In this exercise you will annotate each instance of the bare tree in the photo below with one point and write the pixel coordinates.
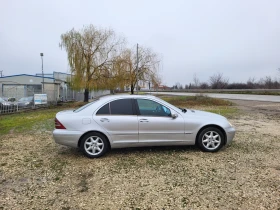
(251, 83)
(204, 85)
(195, 81)
(178, 85)
(269, 83)
(90, 52)
(217, 81)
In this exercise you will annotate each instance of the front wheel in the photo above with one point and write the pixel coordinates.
(211, 139)
(94, 145)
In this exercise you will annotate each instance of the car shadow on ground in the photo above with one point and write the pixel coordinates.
(156, 150)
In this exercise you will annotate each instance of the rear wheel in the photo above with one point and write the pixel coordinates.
(211, 139)
(94, 145)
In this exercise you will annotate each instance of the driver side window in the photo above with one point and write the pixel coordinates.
(152, 108)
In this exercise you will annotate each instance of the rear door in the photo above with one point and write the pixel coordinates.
(119, 119)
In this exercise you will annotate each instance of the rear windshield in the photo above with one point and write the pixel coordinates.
(85, 106)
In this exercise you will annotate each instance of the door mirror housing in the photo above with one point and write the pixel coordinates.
(174, 115)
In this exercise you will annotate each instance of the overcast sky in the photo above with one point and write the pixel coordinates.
(238, 38)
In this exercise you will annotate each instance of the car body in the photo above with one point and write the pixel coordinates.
(26, 102)
(119, 121)
(7, 106)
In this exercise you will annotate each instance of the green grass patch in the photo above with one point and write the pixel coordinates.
(28, 121)
(40, 119)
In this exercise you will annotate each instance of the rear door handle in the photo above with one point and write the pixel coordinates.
(104, 120)
(144, 120)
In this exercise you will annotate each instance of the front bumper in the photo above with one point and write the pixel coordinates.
(230, 134)
(66, 137)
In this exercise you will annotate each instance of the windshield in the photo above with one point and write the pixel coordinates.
(83, 107)
(1, 100)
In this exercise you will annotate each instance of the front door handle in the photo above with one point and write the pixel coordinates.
(104, 120)
(144, 120)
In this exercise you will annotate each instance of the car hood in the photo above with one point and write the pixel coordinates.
(203, 114)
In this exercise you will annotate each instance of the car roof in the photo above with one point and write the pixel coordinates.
(117, 96)
(102, 100)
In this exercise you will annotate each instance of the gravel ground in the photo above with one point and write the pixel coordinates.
(35, 173)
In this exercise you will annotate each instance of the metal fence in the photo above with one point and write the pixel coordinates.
(13, 100)
(8, 108)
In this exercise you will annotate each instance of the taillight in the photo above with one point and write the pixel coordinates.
(58, 124)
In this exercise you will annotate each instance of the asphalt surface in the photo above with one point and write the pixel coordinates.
(269, 98)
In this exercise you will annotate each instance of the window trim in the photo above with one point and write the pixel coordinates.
(136, 110)
(110, 108)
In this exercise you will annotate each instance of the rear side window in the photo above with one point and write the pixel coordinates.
(121, 107)
(104, 110)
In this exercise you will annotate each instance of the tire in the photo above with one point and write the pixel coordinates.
(94, 145)
(211, 139)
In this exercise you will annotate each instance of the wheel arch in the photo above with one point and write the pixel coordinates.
(80, 139)
(211, 125)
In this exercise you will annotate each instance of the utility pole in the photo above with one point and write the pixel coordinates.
(41, 54)
(1, 73)
(137, 78)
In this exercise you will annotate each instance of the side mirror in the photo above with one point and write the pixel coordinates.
(174, 115)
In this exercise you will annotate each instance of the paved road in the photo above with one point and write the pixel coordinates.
(269, 98)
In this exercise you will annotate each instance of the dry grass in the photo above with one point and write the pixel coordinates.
(36, 173)
(205, 103)
(198, 100)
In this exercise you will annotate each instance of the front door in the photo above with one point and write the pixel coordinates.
(156, 124)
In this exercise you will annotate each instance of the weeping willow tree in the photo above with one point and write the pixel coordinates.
(90, 52)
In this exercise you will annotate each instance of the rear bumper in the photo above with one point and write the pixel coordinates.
(66, 137)
(230, 134)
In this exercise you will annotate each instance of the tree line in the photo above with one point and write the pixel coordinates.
(218, 81)
(100, 59)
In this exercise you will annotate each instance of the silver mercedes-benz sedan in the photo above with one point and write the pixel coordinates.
(118, 121)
